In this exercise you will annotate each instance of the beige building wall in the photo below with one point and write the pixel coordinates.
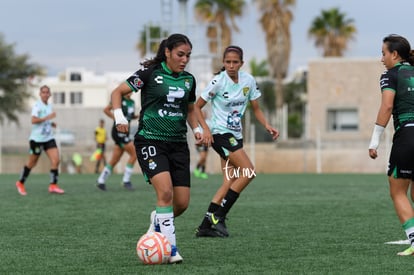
(343, 83)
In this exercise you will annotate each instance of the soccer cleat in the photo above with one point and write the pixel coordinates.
(101, 186)
(154, 227)
(208, 232)
(204, 176)
(128, 186)
(218, 224)
(54, 188)
(408, 252)
(197, 173)
(175, 257)
(20, 188)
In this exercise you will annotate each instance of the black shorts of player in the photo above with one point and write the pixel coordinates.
(201, 148)
(120, 138)
(156, 156)
(401, 162)
(225, 143)
(37, 147)
(101, 146)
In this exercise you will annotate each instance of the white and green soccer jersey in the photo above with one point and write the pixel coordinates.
(41, 132)
(229, 101)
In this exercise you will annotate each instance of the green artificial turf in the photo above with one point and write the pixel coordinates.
(281, 224)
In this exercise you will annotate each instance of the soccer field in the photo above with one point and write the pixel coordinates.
(281, 224)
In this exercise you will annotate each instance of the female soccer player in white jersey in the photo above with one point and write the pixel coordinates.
(229, 92)
(42, 138)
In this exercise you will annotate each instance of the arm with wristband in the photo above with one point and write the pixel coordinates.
(384, 115)
(116, 99)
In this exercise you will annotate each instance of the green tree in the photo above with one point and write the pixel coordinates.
(294, 91)
(259, 69)
(15, 73)
(332, 31)
(152, 36)
(220, 17)
(276, 17)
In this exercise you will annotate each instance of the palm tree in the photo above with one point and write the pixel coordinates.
(258, 69)
(276, 16)
(149, 39)
(332, 31)
(219, 15)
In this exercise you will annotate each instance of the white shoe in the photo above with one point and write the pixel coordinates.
(176, 259)
(151, 228)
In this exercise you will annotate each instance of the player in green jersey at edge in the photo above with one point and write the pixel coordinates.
(167, 104)
(123, 143)
(229, 92)
(397, 99)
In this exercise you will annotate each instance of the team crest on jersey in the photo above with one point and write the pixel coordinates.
(233, 141)
(187, 83)
(151, 164)
(245, 91)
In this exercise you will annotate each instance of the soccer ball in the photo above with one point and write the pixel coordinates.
(153, 248)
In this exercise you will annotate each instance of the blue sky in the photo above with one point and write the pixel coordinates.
(101, 35)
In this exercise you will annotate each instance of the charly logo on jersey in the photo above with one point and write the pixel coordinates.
(159, 79)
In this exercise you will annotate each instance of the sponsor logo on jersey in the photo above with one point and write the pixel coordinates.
(175, 92)
(159, 79)
(163, 113)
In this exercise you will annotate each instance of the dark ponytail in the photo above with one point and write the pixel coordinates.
(173, 41)
(401, 45)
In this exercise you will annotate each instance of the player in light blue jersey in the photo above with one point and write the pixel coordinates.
(42, 138)
(229, 92)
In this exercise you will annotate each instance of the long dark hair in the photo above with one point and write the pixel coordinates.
(173, 41)
(231, 48)
(401, 45)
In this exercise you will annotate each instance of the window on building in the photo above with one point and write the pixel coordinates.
(76, 98)
(58, 98)
(342, 120)
(74, 76)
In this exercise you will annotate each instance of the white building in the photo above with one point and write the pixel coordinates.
(78, 97)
